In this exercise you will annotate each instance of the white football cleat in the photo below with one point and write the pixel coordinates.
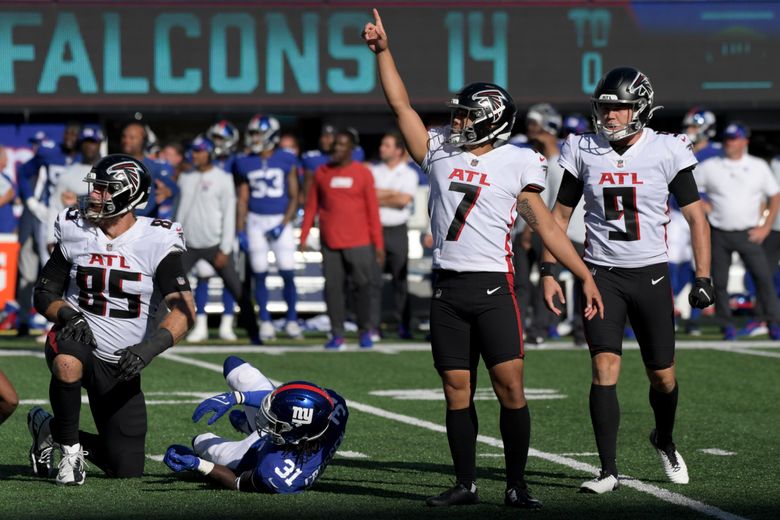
(226, 328)
(200, 332)
(604, 483)
(293, 330)
(672, 461)
(267, 331)
(72, 467)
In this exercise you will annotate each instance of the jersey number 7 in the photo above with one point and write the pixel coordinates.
(470, 196)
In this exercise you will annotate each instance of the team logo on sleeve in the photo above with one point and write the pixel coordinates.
(126, 170)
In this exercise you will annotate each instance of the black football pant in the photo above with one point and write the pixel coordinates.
(118, 408)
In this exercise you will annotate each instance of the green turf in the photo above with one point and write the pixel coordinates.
(727, 401)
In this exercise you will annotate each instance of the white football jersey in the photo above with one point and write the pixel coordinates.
(626, 196)
(112, 280)
(473, 202)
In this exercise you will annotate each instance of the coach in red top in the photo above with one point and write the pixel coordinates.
(350, 233)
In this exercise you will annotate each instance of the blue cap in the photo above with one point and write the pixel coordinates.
(91, 134)
(38, 137)
(736, 131)
(202, 144)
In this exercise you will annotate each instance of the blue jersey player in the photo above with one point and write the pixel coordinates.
(267, 204)
(297, 428)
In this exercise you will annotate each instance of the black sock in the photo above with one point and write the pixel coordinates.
(664, 408)
(65, 401)
(515, 427)
(462, 436)
(605, 416)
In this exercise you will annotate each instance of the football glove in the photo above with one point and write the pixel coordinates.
(130, 363)
(219, 404)
(274, 233)
(243, 241)
(74, 327)
(702, 294)
(181, 458)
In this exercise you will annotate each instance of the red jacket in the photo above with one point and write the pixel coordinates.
(345, 199)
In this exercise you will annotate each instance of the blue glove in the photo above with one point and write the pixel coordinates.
(219, 404)
(274, 233)
(243, 241)
(181, 458)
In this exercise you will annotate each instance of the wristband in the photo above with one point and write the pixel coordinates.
(239, 397)
(205, 467)
(547, 269)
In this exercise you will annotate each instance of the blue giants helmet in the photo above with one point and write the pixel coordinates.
(295, 412)
(224, 135)
(262, 133)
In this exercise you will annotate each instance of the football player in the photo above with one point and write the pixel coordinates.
(267, 204)
(293, 431)
(106, 278)
(699, 125)
(626, 172)
(476, 188)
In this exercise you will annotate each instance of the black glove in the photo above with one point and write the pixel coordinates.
(130, 363)
(702, 294)
(74, 327)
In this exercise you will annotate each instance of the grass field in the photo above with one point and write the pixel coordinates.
(395, 453)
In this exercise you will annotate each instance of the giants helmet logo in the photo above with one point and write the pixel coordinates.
(128, 170)
(495, 100)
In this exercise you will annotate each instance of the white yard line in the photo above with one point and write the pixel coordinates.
(660, 493)
(748, 351)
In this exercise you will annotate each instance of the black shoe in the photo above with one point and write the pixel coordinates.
(519, 496)
(457, 495)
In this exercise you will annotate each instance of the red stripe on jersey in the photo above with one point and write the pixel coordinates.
(299, 386)
(510, 280)
(636, 211)
(51, 337)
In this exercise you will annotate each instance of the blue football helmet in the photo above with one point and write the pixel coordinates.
(224, 135)
(262, 133)
(698, 124)
(575, 124)
(295, 412)
(546, 117)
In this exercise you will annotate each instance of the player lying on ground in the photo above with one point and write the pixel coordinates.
(292, 430)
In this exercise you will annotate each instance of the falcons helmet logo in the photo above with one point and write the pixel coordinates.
(495, 100)
(129, 170)
(641, 86)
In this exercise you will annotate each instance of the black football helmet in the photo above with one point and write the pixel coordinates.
(491, 111)
(126, 182)
(624, 86)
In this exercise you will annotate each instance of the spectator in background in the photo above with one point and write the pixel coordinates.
(396, 184)
(772, 243)
(288, 142)
(173, 154)
(8, 398)
(736, 185)
(267, 204)
(342, 194)
(207, 213)
(134, 142)
(71, 184)
(7, 196)
(313, 159)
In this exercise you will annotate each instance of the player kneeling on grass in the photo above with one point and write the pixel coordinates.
(298, 427)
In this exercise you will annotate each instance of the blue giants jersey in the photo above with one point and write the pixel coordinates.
(269, 193)
(711, 150)
(270, 468)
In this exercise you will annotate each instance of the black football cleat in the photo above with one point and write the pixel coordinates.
(457, 495)
(519, 496)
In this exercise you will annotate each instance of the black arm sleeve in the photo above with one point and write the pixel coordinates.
(170, 276)
(570, 191)
(684, 188)
(52, 281)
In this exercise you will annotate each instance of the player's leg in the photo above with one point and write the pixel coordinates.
(9, 400)
(71, 364)
(223, 451)
(397, 262)
(233, 286)
(605, 341)
(755, 261)
(456, 362)
(334, 273)
(284, 251)
(258, 254)
(500, 340)
(652, 311)
(203, 271)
